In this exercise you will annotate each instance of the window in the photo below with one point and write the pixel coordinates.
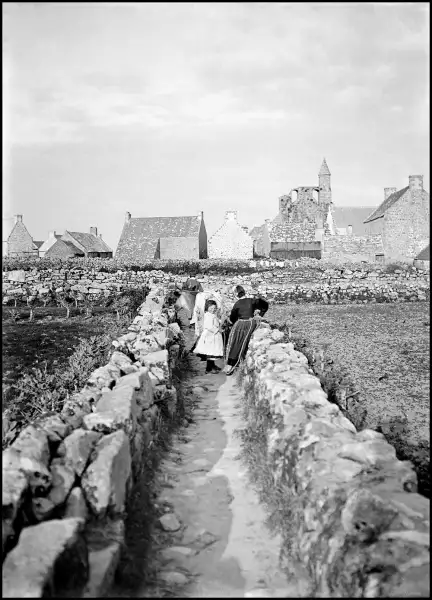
(379, 258)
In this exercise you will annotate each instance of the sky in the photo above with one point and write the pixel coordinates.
(166, 109)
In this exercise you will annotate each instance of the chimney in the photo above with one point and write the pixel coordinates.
(18, 218)
(93, 231)
(389, 191)
(51, 235)
(127, 217)
(231, 215)
(200, 215)
(349, 230)
(416, 182)
(100, 235)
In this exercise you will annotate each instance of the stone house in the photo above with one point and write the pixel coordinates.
(231, 240)
(73, 244)
(148, 238)
(19, 242)
(402, 220)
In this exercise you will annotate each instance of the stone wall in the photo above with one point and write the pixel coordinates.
(67, 477)
(279, 284)
(173, 247)
(340, 248)
(351, 514)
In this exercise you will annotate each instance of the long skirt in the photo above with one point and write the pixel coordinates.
(239, 339)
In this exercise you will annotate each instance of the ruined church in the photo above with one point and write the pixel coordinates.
(305, 216)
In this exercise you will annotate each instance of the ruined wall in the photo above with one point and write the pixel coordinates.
(340, 248)
(352, 516)
(67, 477)
(406, 228)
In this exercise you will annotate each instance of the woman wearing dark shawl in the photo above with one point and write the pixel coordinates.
(245, 317)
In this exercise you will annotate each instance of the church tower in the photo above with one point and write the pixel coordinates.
(324, 194)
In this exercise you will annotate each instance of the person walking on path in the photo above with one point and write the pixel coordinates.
(245, 316)
(210, 344)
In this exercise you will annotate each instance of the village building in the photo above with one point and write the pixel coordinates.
(309, 224)
(231, 240)
(48, 243)
(72, 244)
(305, 216)
(19, 242)
(402, 220)
(175, 238)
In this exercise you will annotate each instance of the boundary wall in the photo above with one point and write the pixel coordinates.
(67, 477)
(355, 522)
(352, 514)
(332, 286)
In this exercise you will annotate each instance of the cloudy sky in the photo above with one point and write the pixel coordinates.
(168, 109)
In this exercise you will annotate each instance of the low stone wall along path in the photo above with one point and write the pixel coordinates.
(216, 543)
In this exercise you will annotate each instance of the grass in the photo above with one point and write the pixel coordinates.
(384, 350)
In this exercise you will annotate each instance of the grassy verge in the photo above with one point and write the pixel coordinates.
(373, 361)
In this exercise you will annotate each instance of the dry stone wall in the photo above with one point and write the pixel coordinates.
(278, 283)
(67, 477)
(354, 519)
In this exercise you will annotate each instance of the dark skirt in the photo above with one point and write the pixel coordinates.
(239, 339)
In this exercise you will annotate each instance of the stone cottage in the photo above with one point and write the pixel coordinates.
(231, 240)
(148, 238)
(402, 220)
(73, 244)
(19, 242)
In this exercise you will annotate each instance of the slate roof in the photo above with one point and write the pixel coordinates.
(140, 236)
(352, 215)
(64, 249)
(424, 254)
(37, 244)
(388, 202)
(91, 243)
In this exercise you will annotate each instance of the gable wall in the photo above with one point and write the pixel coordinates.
(406, 228)
(20, 242)
(230, 242)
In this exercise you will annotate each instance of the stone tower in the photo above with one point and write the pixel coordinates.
(324, 194)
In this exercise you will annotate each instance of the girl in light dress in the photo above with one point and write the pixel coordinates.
(210, 343)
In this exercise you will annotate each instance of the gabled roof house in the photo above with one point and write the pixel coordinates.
(19, 242)
(73, 243)
(148, 238)
(231, 240)
(402, 218)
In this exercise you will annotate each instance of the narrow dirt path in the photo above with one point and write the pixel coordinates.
(215, 542)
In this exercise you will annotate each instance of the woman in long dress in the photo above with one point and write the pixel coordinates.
(210, 345)
(245, 317)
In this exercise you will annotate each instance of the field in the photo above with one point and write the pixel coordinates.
(49, 337)
(385, 350)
